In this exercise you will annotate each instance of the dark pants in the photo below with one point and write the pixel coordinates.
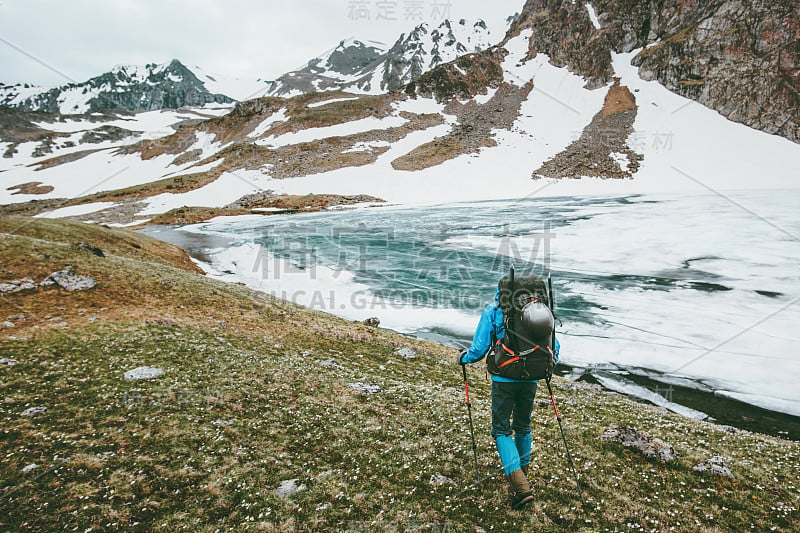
(512, 401)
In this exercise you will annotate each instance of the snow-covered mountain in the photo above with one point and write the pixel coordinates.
(369, 67)
(127, 87)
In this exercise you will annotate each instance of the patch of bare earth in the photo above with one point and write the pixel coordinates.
(31, 187)
(601, 150)
(264, 203)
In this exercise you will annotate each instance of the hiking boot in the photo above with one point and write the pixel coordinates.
(519, 489)
(524, 469)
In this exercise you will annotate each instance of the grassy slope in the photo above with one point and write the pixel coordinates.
(115, 454)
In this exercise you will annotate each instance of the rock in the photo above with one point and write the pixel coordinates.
(583, 386)
(726, 429)
(437, 480)
(329, 363)
(16, 317)
(323, 506)
(6, 361)
(143, 372)
(221, 422)
(289, 487)
(365, 388)
(34, 411)
(30, 467)
(649, 446)
(91, 249)
(17, 285)
(9, 400)
(373, 322)
(8, 324)
(408, 353)
(68, 280)
(715, 466)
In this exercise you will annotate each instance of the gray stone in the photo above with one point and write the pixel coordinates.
(329, 363)
(143, 372)
(8, 324)
(373, 322)
(221, 422)
(289, 488)
(408, 353)
(34, 411)
(715, 466)
(649, 446)
(365, 388)
(69, 280)
(437, 480)
(30, 467)
(17, 285)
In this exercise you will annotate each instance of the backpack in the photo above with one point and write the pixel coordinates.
(526, 351)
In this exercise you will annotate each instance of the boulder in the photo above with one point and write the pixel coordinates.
(143, 372)
(17, 285)
(365, 388)
(437, 480)
(648, 445)
(373, 322)
(715, 466)
(408, 353)
(329, 363)
(289, 488)
(34, 411)
(68, 280)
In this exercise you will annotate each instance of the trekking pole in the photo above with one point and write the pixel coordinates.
(551, 297)
(471, 427)
(564, 438)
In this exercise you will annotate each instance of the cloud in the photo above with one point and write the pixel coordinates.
(236, 38)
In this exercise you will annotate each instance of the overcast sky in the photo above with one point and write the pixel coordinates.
(52, 42)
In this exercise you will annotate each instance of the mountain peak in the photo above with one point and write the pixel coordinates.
(126, 87)
(369, 67)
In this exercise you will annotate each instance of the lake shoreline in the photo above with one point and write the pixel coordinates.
(719, 410)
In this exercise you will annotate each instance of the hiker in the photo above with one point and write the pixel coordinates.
(520, 308)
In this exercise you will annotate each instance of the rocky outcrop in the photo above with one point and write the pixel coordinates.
(564, 31)
(716, 466)
(475, 126)
(631, 438)
(463, 78)
(743, 61)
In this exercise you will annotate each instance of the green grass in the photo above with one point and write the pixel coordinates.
(155, 455)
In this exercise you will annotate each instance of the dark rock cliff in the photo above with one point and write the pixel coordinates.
(738, 57)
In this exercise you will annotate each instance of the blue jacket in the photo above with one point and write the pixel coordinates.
(491, 322)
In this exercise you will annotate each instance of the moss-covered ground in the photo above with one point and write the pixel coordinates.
(257, 391)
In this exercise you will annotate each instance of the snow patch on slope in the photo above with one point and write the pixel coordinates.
(593, 16)
(687, 146)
